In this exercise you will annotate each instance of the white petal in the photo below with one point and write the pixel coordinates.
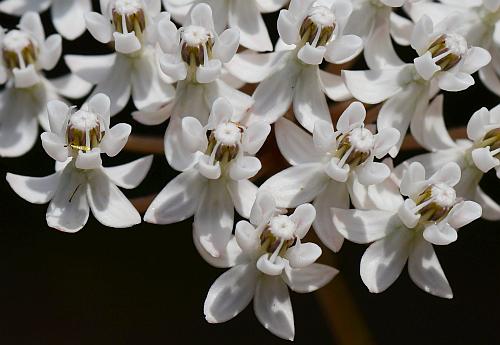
(455, 81)
(274, 94)
(244, 167)
(270, 267)
(208, 168)
(248, 237)
(55, 146)
(297, 185)
(401, 29)
(475, 59)
(68, 17)
(263, 208)
(71, 86)
(92, 68)
(69, 210)
(303, 217)
(273, 308)
(37, 190)
(208, 72)
(343, 49)
(230, 293)
(18, 8)
(464, 213)
(352, 117)
(483, 159)
(334, 195)
(222, 111)
(295, 144)
(491, 210)
(490, 79)
(58, 114)
(168, 36)
(268, 6)
(333, 86)
(421, 33)
(288, 27)
(477, 123)
(231, 256)
(213, 220)
(255, 136)
(227, 45)
(335, 171)
(101, 105)
(129, 175)
(178, 156)
(173, 67)
(375, 86)
(253, 67)
(383, 196)
(425, 270)
(413, 179)
(309, 103)
(440, 234)
(148, 88)
(115, 139)
(311, 55)
(30, 22)
(89, 159)
(385, 139)
(25, 77)
(449, 174)
(178, 200)
(245, 16)
(384, 260)
(243, 194)
(324, 137)
(51, 52)
(303, 254)
(193, 134)
(425, 66)
(201, 15)
(99, 26)
(365, 226)
(372, 173)
(310, 278)
(240, 101)
(126, 43)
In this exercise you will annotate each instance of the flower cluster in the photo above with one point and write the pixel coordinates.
(195, 74)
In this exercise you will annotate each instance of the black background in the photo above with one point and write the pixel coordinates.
(147, 284)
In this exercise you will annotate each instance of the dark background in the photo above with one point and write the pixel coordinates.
(147, 284)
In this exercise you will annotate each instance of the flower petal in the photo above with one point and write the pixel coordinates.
(71, 86)
(263, 208)
(129, 175)
(245, 16)
(310, 278)
(68, 17)
(178, 200)
(92, 68)
(243, 194)
(344, 49)
(303, 254)
(464, 213)
(491, 210)
(51, 52)
(230, 293)
(55, 146)
(244, 167)
(352, 117)
(295, 144)
(440, 234)
(247, 237)
(333, 86)
(303, 217)
(115, 139)
(372, 173)
(254, 136)
(37, 190)
(99, 26)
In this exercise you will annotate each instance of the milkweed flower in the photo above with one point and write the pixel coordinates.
(25, 54)
(67, 16)
(268, 258)
(477, 21)
(242, 15)
(193, 56)
(312, 31)
(132, 70)
(431, 214)
(445, 62)
(476, 155)
(81, 183)
(217, 182)
(326, 166)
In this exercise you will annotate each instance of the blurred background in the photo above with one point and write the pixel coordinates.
(147, 284)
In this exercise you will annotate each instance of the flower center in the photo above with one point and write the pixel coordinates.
(361, 139)
(435, 202)
(228, 134)
(224, 142)
(18, 49)
(128, 16)
(278, 236)
(355, 147)
(491, 139)
(84, 131)
(447, 50)
(318, 27)
(282, 227)
(196, 45)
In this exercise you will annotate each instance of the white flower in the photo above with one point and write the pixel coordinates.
(217, 182)
(475, 156)
(327, 166)
(25, 54)
(268, 256)
(196, 52)
(477, 21)
(445, 62)
(67, 16)
(376, 22)
(430, 215)
(81, 182)
(243, 15)
(311, 31)
(193, 56)
(133, 69)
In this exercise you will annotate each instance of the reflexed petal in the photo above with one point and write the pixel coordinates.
(425, 270)
(483, 159)
(303, 217)
(288, 26)
(178, 200)
(68, 17)
(201, 15)
(99, 26)
(455, 81)
(19, 7)
(193, 135)
(333, 86)
(69, 210)
(58, 112)
(365, 226)
(311, 55)
(490, 79)
(30, 22)
(295, 144)
(51, 52)
(296, 185)
(129, 175)
(108, 204)
(37, 190)
(243, 194)
(477, 123)
(71, 86)
(449, 174)
(401, 29)
(268, 6)
(248, 237)
(421, 33)
(343, 49)
(244, 167)
(115, 139)
(92, 68)
(464, 213)
(230, 293)
(253, 67)
(309, 102)
(55, 146)
(101, 105)
(440, 234)
(231, 256)
(213, 220)
(476, 58)
(255, 136)
(324, 137)
(384, 260)
(372, 173)
(303, 254)
(334, 195)
(245, 16)
(310, 278)
(273, 308)
(385, 139)
(352, 117)
(208, 72)
(263, 208)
